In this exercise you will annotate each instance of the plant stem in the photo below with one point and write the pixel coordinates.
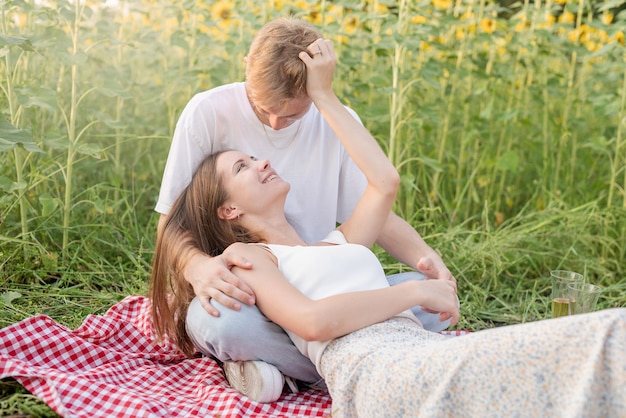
(395, 107)
(71, 129)
(615, 166)
(11, 97)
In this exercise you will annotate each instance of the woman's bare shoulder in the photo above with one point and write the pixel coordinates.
(250, 250)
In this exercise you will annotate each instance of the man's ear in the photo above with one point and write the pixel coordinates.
(227, 212)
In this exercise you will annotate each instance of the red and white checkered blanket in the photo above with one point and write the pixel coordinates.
(111, 367)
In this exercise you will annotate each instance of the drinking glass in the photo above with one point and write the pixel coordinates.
(583, 297)
(560, 293)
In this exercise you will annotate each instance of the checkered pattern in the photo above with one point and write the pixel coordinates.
(111, 367)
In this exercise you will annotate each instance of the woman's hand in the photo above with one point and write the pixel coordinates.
(211, 278)
(439, 296)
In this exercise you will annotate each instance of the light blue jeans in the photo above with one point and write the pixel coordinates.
(248, 335)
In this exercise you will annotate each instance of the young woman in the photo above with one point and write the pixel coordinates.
(334, 301)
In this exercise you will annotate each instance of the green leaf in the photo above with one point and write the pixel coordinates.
(11, 137)
(610, 4)
(58, 142)
(8, 297)
(93, 150)
(48, 204)
(178, 39)
(114, 89)
(508, 161)
(9, 185)
(5, 183)
(42, 97)
(23, 43)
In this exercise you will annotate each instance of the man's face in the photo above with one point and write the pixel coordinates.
(283, 116)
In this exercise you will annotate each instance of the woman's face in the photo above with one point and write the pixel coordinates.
(251, 184)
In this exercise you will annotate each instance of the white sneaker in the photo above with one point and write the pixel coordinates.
(258, 380)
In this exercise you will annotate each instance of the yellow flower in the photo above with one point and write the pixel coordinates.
(488, 25)
(459, 34)
(222, 10)
(201, 4)
(382, 9)
(350, 24)
(417, 19)
(592, 46)
(567, 17)
(314, 17)
(617, 37)
(203, 28)
(301, 5)
(522, 25)
(467, 15)
(278, 4)
(442, 4)
(204, 80)
(341, 39)
(573, 35)
(333, 14)
(585, 33)
(171, 24)
(607, 18)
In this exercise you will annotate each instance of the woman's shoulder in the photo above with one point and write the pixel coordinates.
(250, 250)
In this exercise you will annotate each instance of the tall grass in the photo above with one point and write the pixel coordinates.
(507, 127)
(504, 128)
(488, 118)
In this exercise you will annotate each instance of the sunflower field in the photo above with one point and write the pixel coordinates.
(506, 121)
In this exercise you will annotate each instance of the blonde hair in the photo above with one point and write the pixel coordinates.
(274, 72)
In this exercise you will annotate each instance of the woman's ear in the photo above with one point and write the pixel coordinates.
(227, 212)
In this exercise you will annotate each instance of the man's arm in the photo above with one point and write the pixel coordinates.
(406, 245)
(210, 277)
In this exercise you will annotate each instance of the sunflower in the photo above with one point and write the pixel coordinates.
(222, 11)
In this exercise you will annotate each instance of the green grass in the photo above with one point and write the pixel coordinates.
(507, 132)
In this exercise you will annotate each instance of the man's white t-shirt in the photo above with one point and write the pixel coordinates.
(325, 182)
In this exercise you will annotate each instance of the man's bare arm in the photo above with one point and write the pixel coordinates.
(406, 245)
(210, 277)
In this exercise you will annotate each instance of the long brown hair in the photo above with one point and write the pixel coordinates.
(192, 223)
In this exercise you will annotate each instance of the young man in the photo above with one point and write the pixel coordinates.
(271, 116)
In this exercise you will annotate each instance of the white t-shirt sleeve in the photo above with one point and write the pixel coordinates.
(191, 143)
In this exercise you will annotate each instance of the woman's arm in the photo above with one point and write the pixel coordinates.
(334, 316)
(371, 213)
